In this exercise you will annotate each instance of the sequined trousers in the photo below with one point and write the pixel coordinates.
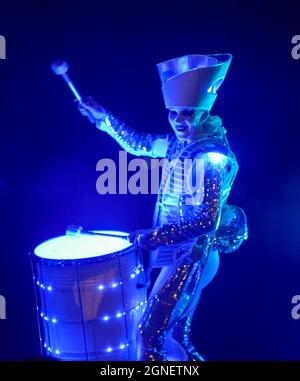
(165, 328)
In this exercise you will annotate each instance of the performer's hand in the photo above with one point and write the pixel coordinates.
(89, 107)
(141, 238)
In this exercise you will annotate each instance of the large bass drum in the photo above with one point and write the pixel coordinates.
(90, 295)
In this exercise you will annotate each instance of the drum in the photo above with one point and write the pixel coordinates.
(90, 295)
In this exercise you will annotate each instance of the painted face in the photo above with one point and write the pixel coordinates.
(181, 120)
(184, 121)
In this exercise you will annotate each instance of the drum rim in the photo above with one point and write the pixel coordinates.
(73, 261)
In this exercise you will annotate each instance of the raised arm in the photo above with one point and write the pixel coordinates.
(136, 143)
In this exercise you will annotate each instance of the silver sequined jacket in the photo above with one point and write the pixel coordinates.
(182, 216)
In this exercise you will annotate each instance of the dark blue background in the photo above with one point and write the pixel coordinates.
(48, 152)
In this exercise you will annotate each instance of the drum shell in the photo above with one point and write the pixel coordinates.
(89, 309)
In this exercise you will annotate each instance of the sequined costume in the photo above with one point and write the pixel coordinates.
(189, 228)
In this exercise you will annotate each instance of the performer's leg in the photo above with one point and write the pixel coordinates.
(163, 307)
(175, 295)
(182, 327)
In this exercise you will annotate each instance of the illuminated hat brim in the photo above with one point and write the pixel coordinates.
(192, 81)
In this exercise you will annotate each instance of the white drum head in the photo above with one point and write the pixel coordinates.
(81, 247)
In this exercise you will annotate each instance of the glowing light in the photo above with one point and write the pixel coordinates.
(49, 288)
(109, 349)
(54, 320)
(216, 157)
(116, 284)
(119, 314)
(84, 246)
(57, 352)
(122, 346)
(107, 122)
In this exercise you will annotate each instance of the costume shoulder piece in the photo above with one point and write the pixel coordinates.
(211, 145)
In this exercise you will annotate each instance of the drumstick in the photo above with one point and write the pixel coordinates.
(75, 231)
(61, 68)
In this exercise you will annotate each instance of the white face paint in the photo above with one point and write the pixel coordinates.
(184, 121)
